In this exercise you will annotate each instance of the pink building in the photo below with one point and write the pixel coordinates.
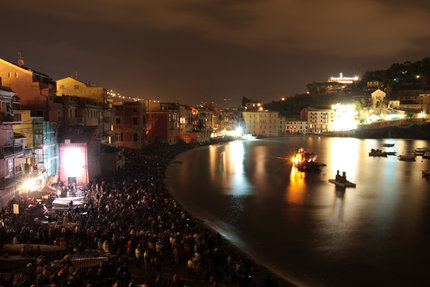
(79, 154)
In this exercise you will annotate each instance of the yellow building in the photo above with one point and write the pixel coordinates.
(321, 121)
(262, 123)
(72, 87)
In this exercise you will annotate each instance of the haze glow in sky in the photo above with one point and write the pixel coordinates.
(206, 50)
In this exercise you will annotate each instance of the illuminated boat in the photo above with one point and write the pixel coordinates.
(341, 181)
(305, 161)
(377, 152)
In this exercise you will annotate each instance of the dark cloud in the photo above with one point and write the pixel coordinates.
(204, 49)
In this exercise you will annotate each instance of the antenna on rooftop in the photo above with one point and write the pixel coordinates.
(20, 59)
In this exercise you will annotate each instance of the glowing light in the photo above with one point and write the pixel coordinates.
(74, 161)
(345, 117)
(343, 80)
(421, 115)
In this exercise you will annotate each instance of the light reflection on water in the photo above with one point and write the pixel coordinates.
(300, 224)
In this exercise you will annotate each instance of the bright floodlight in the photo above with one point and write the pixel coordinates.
(345, 117)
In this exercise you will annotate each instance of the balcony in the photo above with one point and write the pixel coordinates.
(6, 151)
(28, 151)
(9, 117)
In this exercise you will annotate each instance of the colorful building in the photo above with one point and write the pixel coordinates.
(34, 90)
(79, 154)
(262, 123)
(129, 124)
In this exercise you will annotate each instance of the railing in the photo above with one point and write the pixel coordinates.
(9, 117)
(87, 262)
(28, 151)
(9, 150)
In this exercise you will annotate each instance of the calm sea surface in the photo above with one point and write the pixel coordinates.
(299, 225)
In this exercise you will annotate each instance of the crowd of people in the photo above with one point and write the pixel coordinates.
(143, 233)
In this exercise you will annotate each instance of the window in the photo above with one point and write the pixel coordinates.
(135, 121)
(61, 87)
(135, 137)
(118, 121)
(76, 87)
(16, 75)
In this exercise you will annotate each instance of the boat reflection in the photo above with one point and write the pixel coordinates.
(296, 190)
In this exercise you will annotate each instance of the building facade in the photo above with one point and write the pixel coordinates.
(320, 121)
(296, 127)
(262, 123)
(129, 124)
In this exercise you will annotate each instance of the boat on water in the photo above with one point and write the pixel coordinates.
(387, 145)
(420, 151)
(377, 152)
(406, 157)
(341, 180)
(426, 155)
(390, 152)
(305, 161)
(426, 172)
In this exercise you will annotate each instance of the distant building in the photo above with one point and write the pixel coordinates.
(296, 127)
(320, 121)
(377, 97)
(74, 87)
(34, 90)
(262, 123)
(162, 122)
(129, 124)
(90, 94)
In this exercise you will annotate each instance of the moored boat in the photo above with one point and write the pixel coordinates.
(341, 180)
(387, 145)
(377, 152)
(420, 151)
(426, 155)
(406, 157)
(426, 172)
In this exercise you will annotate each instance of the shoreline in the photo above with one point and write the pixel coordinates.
(281, 280)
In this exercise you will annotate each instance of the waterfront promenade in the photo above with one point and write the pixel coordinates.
(140, 233)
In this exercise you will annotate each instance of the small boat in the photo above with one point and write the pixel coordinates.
(305, 161)
(390, 152)
(377, 152)
(426, 155)
(406, 157)
(426, 172)
(387, 145)
(341, 181)
(420, 151)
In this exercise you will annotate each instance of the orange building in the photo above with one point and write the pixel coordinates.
(129, 124)
(35, 90)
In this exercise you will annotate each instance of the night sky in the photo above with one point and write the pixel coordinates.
(206, 50)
